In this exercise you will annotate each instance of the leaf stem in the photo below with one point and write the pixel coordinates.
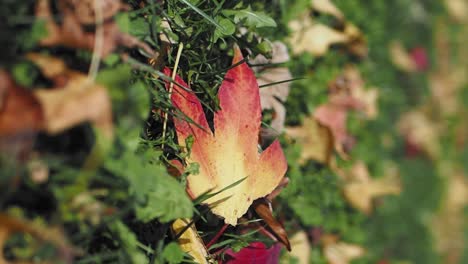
(217, 236)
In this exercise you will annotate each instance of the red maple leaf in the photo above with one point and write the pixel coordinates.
(230, 153)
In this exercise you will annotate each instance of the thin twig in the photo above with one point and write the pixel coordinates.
(217, 236)
(171, 87)
(98, 42)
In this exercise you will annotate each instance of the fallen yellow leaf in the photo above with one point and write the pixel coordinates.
(337, 252)
(360, 189)
(315, 38)
(190, 241)
(315, 139)
(401, 58)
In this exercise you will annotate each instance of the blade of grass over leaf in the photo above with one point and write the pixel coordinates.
(205, 196)
(203, 14)
(285, 81)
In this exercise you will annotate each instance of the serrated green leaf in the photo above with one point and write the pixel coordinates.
(252, 19)
(157, 194)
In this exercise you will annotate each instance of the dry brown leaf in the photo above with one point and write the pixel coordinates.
(420, 131)
(20, 111)
(401, 58)
(315, 38)
(327, 7)
(20, 119)
(315, 139)
(76, 15)
(190, 241)
(337, 252)
(79, 100)
(10, 225)
(262, 208)
(273, 96)
(360, 189)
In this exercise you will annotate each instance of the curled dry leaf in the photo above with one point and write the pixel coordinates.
(77, 101)
(360, 189)
(76, 15)
(315, 139)
(273, 96)
(189, 240)
(262, 209)
(401, 58)
(10, 225)
(327, 7)
(421, 131)
(229, 154)
(337, 252)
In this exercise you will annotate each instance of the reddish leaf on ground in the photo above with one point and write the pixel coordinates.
(255, 253)
(347, 92)
(230, 153)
